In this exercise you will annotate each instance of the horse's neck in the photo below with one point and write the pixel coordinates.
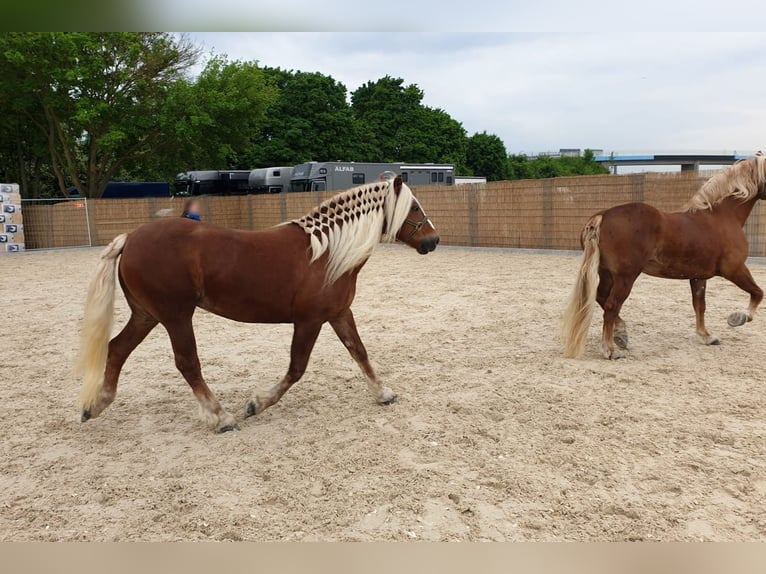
(740, 210)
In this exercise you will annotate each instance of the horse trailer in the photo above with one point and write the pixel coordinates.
(230, 182)
(270, 179)
(311, 176)
(332, 176)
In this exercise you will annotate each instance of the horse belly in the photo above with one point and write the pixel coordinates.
(657, 268)
(687, 262)
(249, 301)
(686, 248)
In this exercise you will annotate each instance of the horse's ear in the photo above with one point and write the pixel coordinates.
(397, 184)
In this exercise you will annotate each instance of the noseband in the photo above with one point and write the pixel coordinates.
(416, 226)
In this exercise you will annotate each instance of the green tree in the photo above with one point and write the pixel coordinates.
(395, 126)
(23, 154)
(216, 120)
(486, 156)
(309, 120)
(95, 98)
(521, 167)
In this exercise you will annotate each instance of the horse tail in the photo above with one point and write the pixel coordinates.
(579, 310)
(97, 325)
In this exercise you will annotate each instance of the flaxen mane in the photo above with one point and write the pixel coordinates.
(741, 181)
(350, 224)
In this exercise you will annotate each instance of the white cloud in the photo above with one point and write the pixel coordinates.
(617, 91)
(451, 15)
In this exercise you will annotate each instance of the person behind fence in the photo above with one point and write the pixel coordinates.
(192, 209)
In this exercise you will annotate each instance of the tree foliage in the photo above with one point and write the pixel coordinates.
(216, 119)
(521, 167)
(310, 119)
(80, 109)
(94, 98)
(396, 126)
(485, 155)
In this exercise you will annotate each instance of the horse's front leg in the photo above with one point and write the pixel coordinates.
(304, 337)
(345, 328)
(698, 302)
(744, 280)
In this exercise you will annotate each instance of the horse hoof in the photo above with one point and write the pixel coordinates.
(251, 409)
(85, 415)
(228, 428)
(390, 401)
(621, 341)
(715, 342)
(736, 319)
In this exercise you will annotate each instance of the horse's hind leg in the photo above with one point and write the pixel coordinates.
(184, 344)
(612, 305)
(137, 328)
(744, 280)
(620, 333)
(304, 337)
(605, 284)
(698, 302)
(345, 328)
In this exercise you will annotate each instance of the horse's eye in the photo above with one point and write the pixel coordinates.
(414, 208)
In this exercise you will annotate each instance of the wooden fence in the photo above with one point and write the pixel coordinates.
(539, 214)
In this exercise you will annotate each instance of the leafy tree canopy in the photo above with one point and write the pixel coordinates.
(82, 109)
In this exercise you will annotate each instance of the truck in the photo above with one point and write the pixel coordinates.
(332, 176)
(228, 182)
(130, 190)
(270, 179)
(310, 176)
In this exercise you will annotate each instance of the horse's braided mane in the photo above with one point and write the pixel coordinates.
(742, 181)
(349, 225)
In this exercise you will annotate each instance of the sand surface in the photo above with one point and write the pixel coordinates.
(495, 436)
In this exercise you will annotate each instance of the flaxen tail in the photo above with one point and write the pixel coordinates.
(579, 311)
(97, 325)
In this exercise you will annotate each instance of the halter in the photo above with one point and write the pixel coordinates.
(416, 226)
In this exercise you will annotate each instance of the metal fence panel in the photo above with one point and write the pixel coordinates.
(50, 223)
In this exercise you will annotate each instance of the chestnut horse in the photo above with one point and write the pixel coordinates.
(301, 272)
(704, 240)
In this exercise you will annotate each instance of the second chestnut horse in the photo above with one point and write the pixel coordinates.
(302, 272)
(704, 240)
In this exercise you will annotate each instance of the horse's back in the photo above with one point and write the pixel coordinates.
(636, 237)
(177, 264)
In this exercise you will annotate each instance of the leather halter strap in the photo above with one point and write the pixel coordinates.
(416, 226)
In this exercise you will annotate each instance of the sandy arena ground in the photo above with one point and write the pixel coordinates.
(495, 437)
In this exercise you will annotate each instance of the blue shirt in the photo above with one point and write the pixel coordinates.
(194, 216)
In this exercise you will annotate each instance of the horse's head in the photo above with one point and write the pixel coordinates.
(416, 230)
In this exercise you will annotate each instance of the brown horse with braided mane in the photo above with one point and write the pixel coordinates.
(704, 240)
(302, 272)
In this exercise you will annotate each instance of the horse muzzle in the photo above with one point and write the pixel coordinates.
(428, 244)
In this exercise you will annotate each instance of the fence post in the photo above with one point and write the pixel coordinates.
(637, 187)
(49, 225)
(87, 223)
(283, 206)
(752, 226)
(473, 217)
(547, 199)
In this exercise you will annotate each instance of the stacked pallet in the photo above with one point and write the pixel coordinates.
(11, 225)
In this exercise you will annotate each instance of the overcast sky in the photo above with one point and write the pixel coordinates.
(622, 92)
